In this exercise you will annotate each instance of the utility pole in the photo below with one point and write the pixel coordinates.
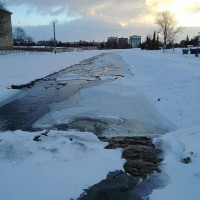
(54, 31)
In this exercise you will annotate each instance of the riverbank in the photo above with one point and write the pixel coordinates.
(23, 68)
(106, 105)
(171, 81)
(168, 87)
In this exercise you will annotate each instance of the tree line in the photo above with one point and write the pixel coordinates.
(151, 43)
(168, 30)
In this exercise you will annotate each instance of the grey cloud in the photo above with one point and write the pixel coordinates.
(113, 10)
(58, 11)
(86, 29)
(93, 29)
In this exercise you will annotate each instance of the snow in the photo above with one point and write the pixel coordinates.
(184, 179)
(59, 166)
(170, 76)
(175, 80)
(22, 68)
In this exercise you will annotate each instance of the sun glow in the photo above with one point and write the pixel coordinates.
(186, 11)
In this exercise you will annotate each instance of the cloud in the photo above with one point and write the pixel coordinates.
(195, 8)
(89, 19)
(86, 29)
(122, 12)
(94, 29)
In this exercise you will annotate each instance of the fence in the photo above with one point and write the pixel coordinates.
(21, 49)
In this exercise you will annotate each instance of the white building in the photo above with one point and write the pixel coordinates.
(135, 41)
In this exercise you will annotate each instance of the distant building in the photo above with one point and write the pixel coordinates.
(135, 41)
(112, 43)
(6, 39)
(123, 43)
(113, 39)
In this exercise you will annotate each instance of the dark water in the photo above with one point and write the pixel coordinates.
(121, 186)
(24, 111)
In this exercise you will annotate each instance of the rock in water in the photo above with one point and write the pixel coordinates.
(140, 153)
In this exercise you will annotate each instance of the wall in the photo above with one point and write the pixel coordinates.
(6, 42)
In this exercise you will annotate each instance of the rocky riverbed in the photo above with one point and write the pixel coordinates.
(142, 159)
(139, 152)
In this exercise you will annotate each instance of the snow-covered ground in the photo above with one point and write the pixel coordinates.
(60, 166)
(175, 80)
(23, 68)
(170, 81)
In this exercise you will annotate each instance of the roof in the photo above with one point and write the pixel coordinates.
(5, 11)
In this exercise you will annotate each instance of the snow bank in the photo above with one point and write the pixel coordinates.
(170, 77)
(183, 178)
(60, 166)
(169, 80)
(23, 68)
(174, 79)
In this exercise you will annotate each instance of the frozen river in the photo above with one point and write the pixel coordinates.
(94, 95)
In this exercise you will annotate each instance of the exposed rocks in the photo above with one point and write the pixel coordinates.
(142, 160)
(37, 138)
(140, 153)
(28, 85)
(113, 187)
(63, 84)
(187, 160)
(45, 133)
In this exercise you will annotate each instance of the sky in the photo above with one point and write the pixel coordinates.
(98, 19)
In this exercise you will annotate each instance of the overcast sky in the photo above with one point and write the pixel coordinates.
(97, 19)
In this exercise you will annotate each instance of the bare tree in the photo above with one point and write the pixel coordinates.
(29, 40)
(3, 20)
(20, 35)
(168, 27)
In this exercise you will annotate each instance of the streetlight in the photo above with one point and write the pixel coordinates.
(54, 31)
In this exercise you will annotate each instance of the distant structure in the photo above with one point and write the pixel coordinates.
(123, 43)
(113, 39)
(199, 38)
(112, 43)
(135, 41)
(6, 39)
